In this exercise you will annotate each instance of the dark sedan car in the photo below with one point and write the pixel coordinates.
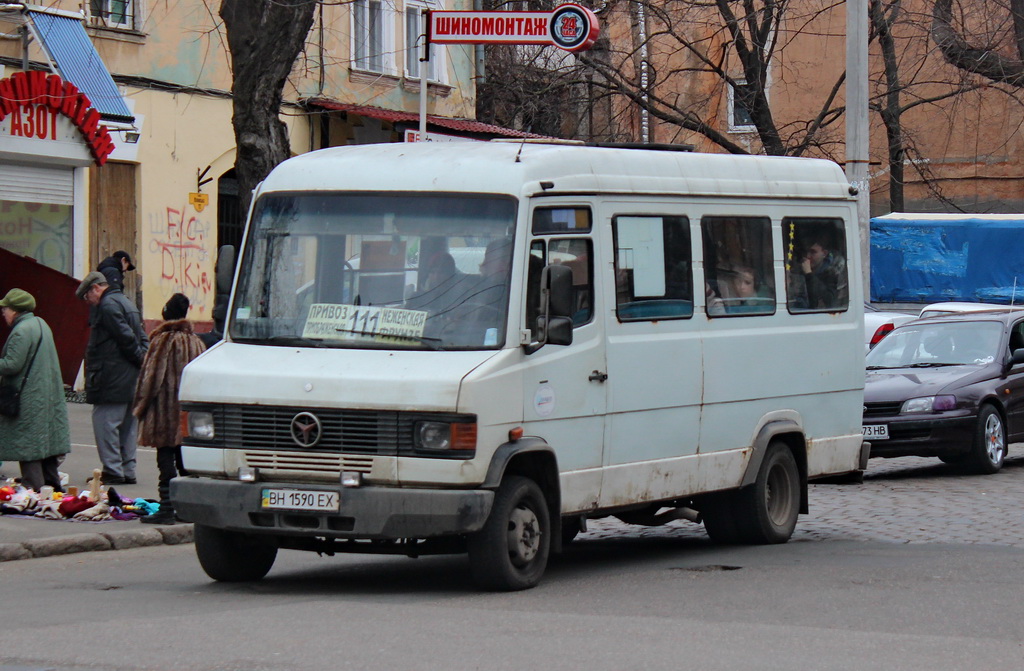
(949, 387)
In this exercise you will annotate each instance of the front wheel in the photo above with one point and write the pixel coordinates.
(989, 449)
(511, 551)
(767, 510)
(229, 556)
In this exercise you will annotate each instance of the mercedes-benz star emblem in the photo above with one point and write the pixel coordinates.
(306, 429)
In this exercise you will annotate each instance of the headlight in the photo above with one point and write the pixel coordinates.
(928, 404)
(200, 425)
(457, 436)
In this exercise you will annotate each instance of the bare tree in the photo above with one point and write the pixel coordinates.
(985, 38)
(264, 37)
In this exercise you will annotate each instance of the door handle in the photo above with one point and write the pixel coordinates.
(598, 376)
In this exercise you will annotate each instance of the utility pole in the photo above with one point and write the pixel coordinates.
(857, 127)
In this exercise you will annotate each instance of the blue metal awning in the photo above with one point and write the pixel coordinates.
(76, 60)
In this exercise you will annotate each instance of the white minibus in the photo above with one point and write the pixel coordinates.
(477, 347)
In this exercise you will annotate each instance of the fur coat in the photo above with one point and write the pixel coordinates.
(172, 345)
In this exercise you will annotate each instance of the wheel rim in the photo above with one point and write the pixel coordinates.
(523, 535)
(779, 495)
(995, 445)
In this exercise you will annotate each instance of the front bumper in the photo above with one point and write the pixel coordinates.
(924, 437)
(366, 512)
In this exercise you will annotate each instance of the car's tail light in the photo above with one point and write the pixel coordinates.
(882, 331)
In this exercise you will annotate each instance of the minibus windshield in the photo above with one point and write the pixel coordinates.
(379, 270)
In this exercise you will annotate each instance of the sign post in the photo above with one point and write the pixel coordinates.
(569, 27)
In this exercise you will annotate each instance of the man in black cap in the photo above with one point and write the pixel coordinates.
(117, 345)
(115, 266)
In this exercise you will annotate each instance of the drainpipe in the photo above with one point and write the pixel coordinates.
(645, 116)
(478, 50)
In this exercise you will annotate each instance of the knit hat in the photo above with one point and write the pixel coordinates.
(95, 277)
(18, 300)
(176, 307)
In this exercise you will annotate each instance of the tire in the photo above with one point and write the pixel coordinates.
(719, 517)
(229, 556)
(511, 551)
(767, 510)
(989, 449)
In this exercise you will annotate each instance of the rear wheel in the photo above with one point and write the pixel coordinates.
(989, 449)
(768, 509)
(230, 556)
(511, 551)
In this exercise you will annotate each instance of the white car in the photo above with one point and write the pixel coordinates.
(955, 307)
(878, 323)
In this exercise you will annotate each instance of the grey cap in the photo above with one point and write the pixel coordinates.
(95, 277)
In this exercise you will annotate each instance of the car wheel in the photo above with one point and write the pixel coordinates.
(511, 551)
(767, 510)
(229, 556)
(989, 449)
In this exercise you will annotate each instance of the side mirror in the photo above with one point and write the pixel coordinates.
(554, 325)
(556, 330)
(1016, 357)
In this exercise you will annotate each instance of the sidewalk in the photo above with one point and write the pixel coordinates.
(25, 538)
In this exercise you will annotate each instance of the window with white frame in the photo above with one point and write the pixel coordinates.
(113, 13)
(739, 116)
(372, 35)
(415, 29)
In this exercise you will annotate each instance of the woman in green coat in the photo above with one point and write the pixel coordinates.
(39, 434)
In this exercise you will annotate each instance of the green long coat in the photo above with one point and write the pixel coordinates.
(41, 428)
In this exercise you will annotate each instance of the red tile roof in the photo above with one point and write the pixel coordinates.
(463, 125)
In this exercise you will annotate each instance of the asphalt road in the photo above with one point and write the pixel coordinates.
(919, 568)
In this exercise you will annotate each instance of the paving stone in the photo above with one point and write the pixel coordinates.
(177, 534)
(135, 538)
(48, 547)
(12, 551)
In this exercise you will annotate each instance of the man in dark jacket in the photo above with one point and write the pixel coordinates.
(115, 266)
(117, 345)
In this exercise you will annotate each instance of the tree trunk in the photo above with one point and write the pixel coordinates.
(890, 111)
(264, 37)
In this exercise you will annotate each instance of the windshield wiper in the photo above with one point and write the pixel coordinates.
(881, 367)
(297, 340)
(432, 343)
(930, 364)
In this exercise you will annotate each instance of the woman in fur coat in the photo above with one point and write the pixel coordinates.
(172, 345)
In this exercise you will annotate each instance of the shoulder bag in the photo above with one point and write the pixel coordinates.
(10, 397)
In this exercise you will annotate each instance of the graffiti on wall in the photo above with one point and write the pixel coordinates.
(179, 239)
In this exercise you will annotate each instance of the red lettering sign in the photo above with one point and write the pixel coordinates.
(33, 100)
(570, 27)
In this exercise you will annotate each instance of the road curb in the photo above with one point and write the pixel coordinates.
(177, 534)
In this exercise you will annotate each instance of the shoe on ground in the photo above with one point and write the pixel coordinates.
(130, 481)
(107, 479)
(159, 517)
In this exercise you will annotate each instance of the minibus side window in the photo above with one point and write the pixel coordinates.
(817, 279)
(653, 270)
(577, 253)
(738, 277)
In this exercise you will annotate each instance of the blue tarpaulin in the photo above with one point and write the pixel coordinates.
(927, 258)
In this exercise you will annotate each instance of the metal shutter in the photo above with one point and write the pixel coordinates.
(36, 184)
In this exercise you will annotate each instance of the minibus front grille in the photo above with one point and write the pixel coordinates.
(248, 427)
(319, 466)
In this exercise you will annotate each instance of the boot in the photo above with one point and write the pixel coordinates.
(163, 516)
